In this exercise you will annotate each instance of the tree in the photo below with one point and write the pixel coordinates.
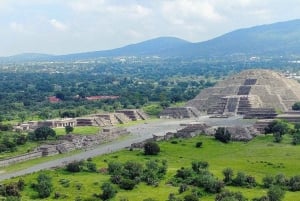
(296, 138)
(22, 116)
(296, 106)
(42, 133)
(230, 196)
(278, 128)
(151, 148)
(223, 135)
(228, 174)
(276, 193)
(75, 166)
(191, 197)
(108, 191)
(44, 185)
(69, 129)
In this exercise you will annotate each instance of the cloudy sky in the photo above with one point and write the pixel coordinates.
(69, 26)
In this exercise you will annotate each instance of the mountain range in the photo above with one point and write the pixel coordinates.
(278, 39)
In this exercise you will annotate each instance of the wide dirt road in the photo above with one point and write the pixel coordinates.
(139, 133)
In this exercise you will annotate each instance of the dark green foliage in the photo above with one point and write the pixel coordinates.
(183, 188)
(275, 193)
(244, 180)
(133, 170)
(151, 148)
(127, 184)
(43, 186)
(75, 166)
(130, 173)
(10, 189)
(280, 180)
(230, 196)
(42, 133)
(191, 197)
(228, 175)
(277, 137)
(296, 106)
(69, 129)
(20, 139)
(278, 128)
(7, 145)
(199, 144)
(268, 181)
(91, 167)
(197, 166)
(222, 134)
(13, 198)
(294, 183)
(108, 191)
(296, 138)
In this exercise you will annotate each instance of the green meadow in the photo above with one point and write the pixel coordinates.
(258, 158)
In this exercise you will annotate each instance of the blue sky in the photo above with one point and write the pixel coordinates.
(69, 26)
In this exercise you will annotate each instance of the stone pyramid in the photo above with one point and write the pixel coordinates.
(250, 90)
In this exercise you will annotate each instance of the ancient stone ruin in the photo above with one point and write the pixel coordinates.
(179, 113)
(254, 93)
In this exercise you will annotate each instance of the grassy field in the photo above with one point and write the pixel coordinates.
(257, 158)
(79, 130)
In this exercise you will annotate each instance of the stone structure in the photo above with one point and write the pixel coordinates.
(134, 115)
(179, 112)
(259, 92)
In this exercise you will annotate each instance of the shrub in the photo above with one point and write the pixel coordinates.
(276, 193)
(75, 166)
(44, 186)
(151, 148)
(108, 191)
(191, 197)
(223, 135)
(127, 184)
(296, 138)
(228, 174)
(230, 196)
(268, 181)
(296, 106)
(199, 144)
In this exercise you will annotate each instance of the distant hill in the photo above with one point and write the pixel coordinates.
(278, 39)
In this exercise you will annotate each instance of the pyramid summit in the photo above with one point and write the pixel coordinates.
(248, 91)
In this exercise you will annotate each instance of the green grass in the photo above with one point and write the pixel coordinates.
(80, 130)
(257, 158)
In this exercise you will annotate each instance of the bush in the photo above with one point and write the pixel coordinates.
(191, 197)
(296, 106)
(108, 191)
(276, 193)
(223, 135)
(127, 184)
(230, 196)
(151, 148)
(228, 174)
(75, 166)
(199, 144)
(268, 181)
(44, 186)
(296, 138)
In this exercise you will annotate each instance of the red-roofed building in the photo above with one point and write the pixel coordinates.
(53, 99)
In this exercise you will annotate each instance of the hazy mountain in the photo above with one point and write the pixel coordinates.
(278, 39)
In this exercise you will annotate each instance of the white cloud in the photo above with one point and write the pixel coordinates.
(58, 25)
